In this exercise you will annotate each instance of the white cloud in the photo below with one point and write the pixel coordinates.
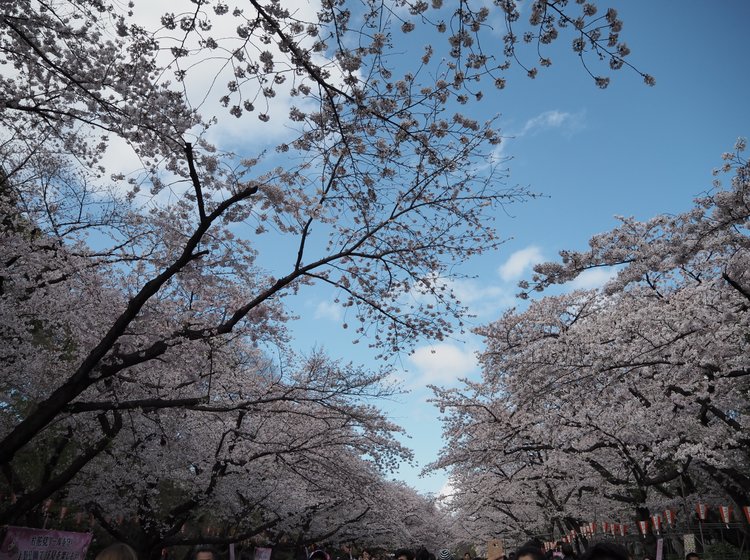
(204, 84)
(519, 262)
(328, 310)
(447, 490)
(569, 122)
(482, 300)
(472, 291)
(442, 364)
(593, 278)
(499, 155)
(210, 71)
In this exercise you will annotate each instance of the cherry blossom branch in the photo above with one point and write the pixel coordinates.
(195, 180)
(736, 285)
(43, 56)
(82, 378)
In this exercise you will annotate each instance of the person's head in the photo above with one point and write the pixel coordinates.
(117, 551)
(567, 549)
(422, 554)
(692, 556)
(467, 556)
(445, 554)
(529, 553)
(403, 554)
(606, 551)
(535, 542)
(204, 552)
(319, 554)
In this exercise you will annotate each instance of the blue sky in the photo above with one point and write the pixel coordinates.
(627, 150)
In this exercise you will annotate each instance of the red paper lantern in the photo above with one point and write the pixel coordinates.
(656, 523)
(671, 517)
(726, 514)
(746, 509)
(643, 526)
(702, 511)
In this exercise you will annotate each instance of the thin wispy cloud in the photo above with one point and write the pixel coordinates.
(593, 278)
(482, 300)
(442, 364)
(498, 154)
(567, 122)
(562, 121)
(519, 262)
(328, 310)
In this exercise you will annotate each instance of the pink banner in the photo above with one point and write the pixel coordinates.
(23, 543)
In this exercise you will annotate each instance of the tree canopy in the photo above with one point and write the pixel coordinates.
(138, 324)
(622, 401)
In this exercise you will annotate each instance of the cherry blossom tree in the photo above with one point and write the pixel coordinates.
(693, 264)
(220, 432)
(621, 401)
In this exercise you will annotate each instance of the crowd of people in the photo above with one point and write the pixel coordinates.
(532, 550)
